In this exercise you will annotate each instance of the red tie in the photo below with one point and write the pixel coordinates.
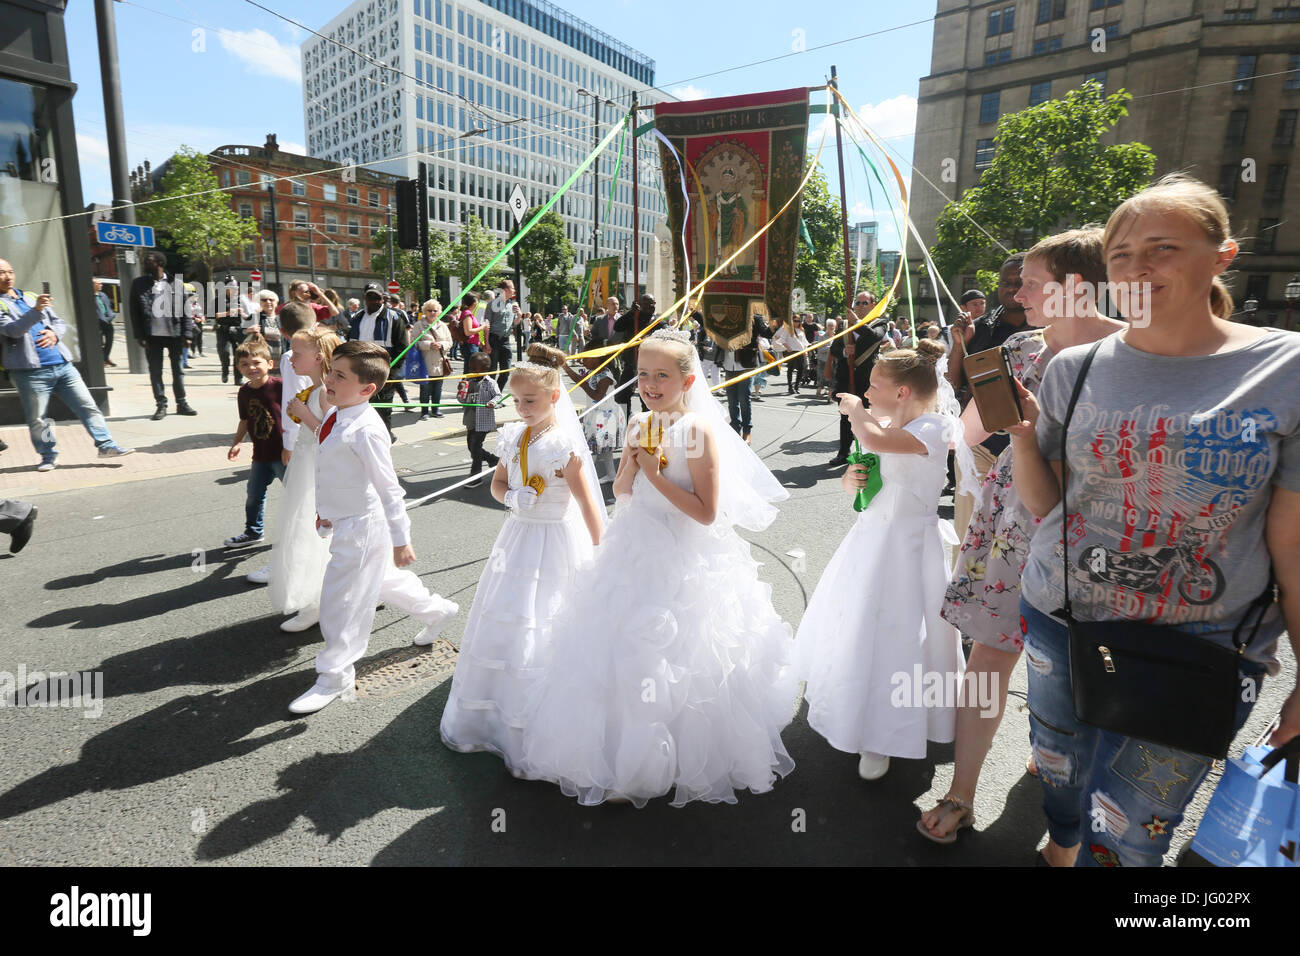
(327, 427)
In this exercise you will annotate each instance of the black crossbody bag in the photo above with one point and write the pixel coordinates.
(1152, 681)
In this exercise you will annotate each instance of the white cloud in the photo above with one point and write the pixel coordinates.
(690, 92)
(263, 54)
(891, 118)
(92, 150)
(294, 148)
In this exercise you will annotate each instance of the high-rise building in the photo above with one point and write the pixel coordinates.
(864, 241)
(1216, 93)
(488, 94)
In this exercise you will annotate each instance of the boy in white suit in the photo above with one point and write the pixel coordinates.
(359, 500)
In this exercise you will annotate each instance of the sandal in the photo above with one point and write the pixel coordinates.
(965, 818)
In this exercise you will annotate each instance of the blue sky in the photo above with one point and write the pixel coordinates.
(243, 81)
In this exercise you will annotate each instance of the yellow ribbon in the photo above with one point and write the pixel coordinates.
(302, 397)
(651, 440)
(536, 482)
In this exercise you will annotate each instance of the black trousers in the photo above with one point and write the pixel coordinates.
(794, 373)
(477, 452)
(175, 346)
(228, 339)
(107, 329)
(500, 346)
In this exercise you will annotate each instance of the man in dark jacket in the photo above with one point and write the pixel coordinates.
(628, 325)
(160, 318)
(861, 355)
(736, 362)
(378, 323)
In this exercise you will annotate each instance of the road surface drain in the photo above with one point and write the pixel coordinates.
(404, 668)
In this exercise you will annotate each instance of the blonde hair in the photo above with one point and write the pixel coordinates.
(675, 344)
(431, 304)
(267, 294)
(914, 368)
(1180, 193)
(1073, 252)
(323, 338)
(540, 354)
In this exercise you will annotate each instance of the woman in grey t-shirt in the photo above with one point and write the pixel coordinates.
(1184, 485)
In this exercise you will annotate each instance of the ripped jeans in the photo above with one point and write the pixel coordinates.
(1120, 796)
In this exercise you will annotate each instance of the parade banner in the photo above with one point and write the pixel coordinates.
(601, 281)
(745, 158)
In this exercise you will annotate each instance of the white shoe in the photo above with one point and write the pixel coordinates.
(307, 617)
(429, 633)
(872, 766)
(315, 699)
(260, 576)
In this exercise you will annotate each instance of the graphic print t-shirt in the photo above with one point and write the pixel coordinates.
(1171, 462)
(260, 408)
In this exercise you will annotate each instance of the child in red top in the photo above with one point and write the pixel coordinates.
(259, 418)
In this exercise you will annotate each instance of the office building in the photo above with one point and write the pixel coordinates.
(487, 93)
(1215, 83)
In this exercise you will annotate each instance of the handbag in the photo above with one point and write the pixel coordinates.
(1151, 681)
(1254, 816)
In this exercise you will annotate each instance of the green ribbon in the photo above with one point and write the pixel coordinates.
(874, 482)
(582, 168)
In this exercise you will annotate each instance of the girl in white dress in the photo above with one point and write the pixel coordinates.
(299, 555)
(547, 480)
(668, 659)
(882, 665)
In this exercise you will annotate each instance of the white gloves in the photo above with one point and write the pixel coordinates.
(521, 499)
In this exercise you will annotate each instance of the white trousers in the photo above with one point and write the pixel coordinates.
(361, 574)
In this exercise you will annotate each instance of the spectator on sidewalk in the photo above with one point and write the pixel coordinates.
(40, 365)
(737, 362)
(227, 321)
(259, 419)
(501, 315)
(309, 293)
(380, 324)
(267, 322)
(16, 520)
(104, 308)
(432, 336)
(160, 319)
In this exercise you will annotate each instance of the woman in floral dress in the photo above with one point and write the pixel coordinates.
(983, 598)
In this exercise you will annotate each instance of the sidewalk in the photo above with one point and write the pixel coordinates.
(177, 445)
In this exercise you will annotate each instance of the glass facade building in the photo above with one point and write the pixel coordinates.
(487, 94)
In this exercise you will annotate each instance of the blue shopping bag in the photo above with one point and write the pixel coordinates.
(415, 367)
(1254, 816)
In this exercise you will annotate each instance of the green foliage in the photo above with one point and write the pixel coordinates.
(545, 258)
(482, 247)
(1050, 172)
(202, 228)
(821, 274)
(407, 268)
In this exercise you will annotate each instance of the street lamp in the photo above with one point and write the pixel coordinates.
(1292, 297)
(595, 170)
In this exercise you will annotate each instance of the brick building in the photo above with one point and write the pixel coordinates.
(1214, 83)
(325, 218)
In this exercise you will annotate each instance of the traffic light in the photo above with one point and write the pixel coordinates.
(408, 214)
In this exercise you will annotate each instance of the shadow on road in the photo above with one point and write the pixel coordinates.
(183, 735)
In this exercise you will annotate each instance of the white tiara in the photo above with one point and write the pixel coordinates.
(535, 367)
(672, 335)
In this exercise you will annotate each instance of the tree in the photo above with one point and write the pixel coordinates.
(1049, 172)
(482, 247)
(202, 228)
(407, 268)
(545, 258)
(820, 271)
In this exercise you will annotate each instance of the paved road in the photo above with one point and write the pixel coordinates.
(196, 760)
